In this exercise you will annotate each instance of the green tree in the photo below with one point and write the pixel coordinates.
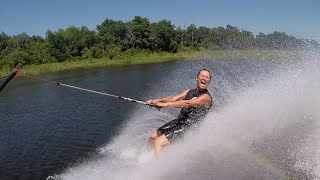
(141, 32)
(56, 46)
(247, 39)
(181, 36)
(70, 42)
(207, 38)
(77, 39)
(39, 53)
(21, 41)
(93, 52)
(16, 58)
(112, 33)
(163, 36)
(3, 41)
(192, 36)
(277, 40)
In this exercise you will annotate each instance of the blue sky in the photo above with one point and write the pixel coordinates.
(34, 17)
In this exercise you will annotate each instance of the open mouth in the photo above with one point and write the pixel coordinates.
(203, 82)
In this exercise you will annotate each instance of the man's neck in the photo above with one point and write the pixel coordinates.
(198, 89)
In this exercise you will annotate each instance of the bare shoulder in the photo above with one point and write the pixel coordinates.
(206, 97)
(181, 95)
(186, 91)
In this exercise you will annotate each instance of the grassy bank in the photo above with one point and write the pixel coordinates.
(91, 63)
(148, 58)
(251, 54)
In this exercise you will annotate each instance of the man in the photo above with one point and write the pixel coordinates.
(195, 104)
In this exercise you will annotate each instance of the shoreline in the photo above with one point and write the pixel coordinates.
(152, 58)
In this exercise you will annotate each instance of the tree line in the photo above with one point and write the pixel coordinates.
(113, 38)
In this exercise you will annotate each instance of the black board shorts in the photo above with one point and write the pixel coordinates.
(174, 130)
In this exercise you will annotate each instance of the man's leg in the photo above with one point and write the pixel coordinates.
(153, 136)
(159, 139)
(159, 142)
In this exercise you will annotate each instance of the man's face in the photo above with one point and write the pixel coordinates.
(203, 80)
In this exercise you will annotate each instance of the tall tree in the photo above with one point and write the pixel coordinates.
(3, 41)
(181, 36)
(112, 32)
(277, 40)
(70, 42)
(16, 58)
(56, 46)
(192, 36)
(164, 36)
(21, 41)
(141, 32)
(207, 38)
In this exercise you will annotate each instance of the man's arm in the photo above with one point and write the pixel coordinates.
(199, 101)
(169, 98)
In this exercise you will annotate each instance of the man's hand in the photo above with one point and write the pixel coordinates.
(155, 103)
(150, 101)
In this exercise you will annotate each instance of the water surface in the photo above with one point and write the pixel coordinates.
(257, 129)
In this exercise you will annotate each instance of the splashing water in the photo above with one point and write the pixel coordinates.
(266, 129)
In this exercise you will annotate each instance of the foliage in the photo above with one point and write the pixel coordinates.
(112, 33)
(3, 41)
(115, 40)
(277, 40)
(94, 52)
(163, 37)
(16, 58)
(70, 42)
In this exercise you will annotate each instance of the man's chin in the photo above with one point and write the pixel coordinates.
(202, 87)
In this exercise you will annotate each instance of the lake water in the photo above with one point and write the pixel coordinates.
(264, 123)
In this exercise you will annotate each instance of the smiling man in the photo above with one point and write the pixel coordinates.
(194, 104)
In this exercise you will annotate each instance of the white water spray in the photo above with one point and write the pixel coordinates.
(268, 130)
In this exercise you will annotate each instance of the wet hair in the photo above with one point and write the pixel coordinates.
(204, 70)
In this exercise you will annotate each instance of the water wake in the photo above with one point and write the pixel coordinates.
(269, 129)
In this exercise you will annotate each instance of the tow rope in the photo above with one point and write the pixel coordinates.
(15, 72)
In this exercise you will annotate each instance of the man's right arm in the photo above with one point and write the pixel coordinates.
(169, 98)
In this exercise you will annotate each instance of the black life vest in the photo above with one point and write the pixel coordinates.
(192, 115)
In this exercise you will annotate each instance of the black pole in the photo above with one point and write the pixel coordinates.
(6, 81)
